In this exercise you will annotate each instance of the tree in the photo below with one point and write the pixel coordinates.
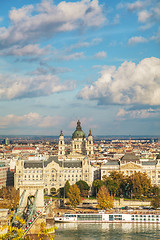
(156, 202)
(83, 187)
(74, 196)
(66, 188)
(113, 182)
(155, 191)
(17, 233)
(104, 199)
(141, 184)
(96, 185)
(10, 196)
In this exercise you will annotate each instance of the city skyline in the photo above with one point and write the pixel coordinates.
(96, 61)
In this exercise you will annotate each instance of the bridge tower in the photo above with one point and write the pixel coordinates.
(33, 190)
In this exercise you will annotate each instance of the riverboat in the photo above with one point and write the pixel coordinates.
(108, 218)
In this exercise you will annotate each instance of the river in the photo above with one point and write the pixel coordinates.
(107, 231)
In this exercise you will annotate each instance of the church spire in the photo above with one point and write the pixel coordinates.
(61, 134)
(90, 134)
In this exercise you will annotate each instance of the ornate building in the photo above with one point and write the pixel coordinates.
(130, 164)
(56, 170)
(80, 146)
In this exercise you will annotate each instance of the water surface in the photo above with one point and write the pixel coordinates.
(107, 231)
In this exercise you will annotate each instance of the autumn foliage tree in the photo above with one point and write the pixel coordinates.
(104, 199)
(156, 202)
(74, 196)
(10, 196)
(141, 184)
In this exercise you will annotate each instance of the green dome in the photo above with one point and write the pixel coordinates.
(78, 133)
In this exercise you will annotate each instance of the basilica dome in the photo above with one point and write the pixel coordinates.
(78, 133)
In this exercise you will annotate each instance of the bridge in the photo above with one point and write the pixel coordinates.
(32, 208)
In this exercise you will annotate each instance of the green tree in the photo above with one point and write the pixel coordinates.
(83, 187)
(155, 191)
(104, 199)
(156, 202)
(96, 185)
(66, 188)
(74, 196)
(113, 182)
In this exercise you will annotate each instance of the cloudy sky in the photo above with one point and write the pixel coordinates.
(96, 61)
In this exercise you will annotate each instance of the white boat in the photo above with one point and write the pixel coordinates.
(108, 217)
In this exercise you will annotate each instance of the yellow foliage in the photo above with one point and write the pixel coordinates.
(74, 195)
(104, 199)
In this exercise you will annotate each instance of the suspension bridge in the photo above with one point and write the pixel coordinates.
(31, 208)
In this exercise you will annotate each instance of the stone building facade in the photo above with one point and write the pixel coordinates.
(130, 164)
(56, 170)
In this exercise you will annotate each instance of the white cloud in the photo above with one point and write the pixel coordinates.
(136, 5)
(31, 23)
(28, 50)
(30, 119)
(157, 36)
(152, 14)
(142, 113)
(135, 40)
(101, 54)
(148, 12)
(73, 56)
(143, 16)
(95, 41)
(130, 83)
(22, 86)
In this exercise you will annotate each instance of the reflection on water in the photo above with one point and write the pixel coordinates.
(107, 231)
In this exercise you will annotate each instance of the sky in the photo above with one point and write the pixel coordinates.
(96, 61)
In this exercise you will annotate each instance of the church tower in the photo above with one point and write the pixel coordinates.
(79, 142)
(90, 144)
(61, 145)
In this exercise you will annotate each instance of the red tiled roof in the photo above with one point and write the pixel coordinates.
(23, 148)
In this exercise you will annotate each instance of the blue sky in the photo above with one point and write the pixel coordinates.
(96, 61)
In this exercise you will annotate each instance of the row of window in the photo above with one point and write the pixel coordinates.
(32, 176)
(144, 216)
(32, 171)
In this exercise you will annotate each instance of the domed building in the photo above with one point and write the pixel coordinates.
(55, 170)
(80, 145)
